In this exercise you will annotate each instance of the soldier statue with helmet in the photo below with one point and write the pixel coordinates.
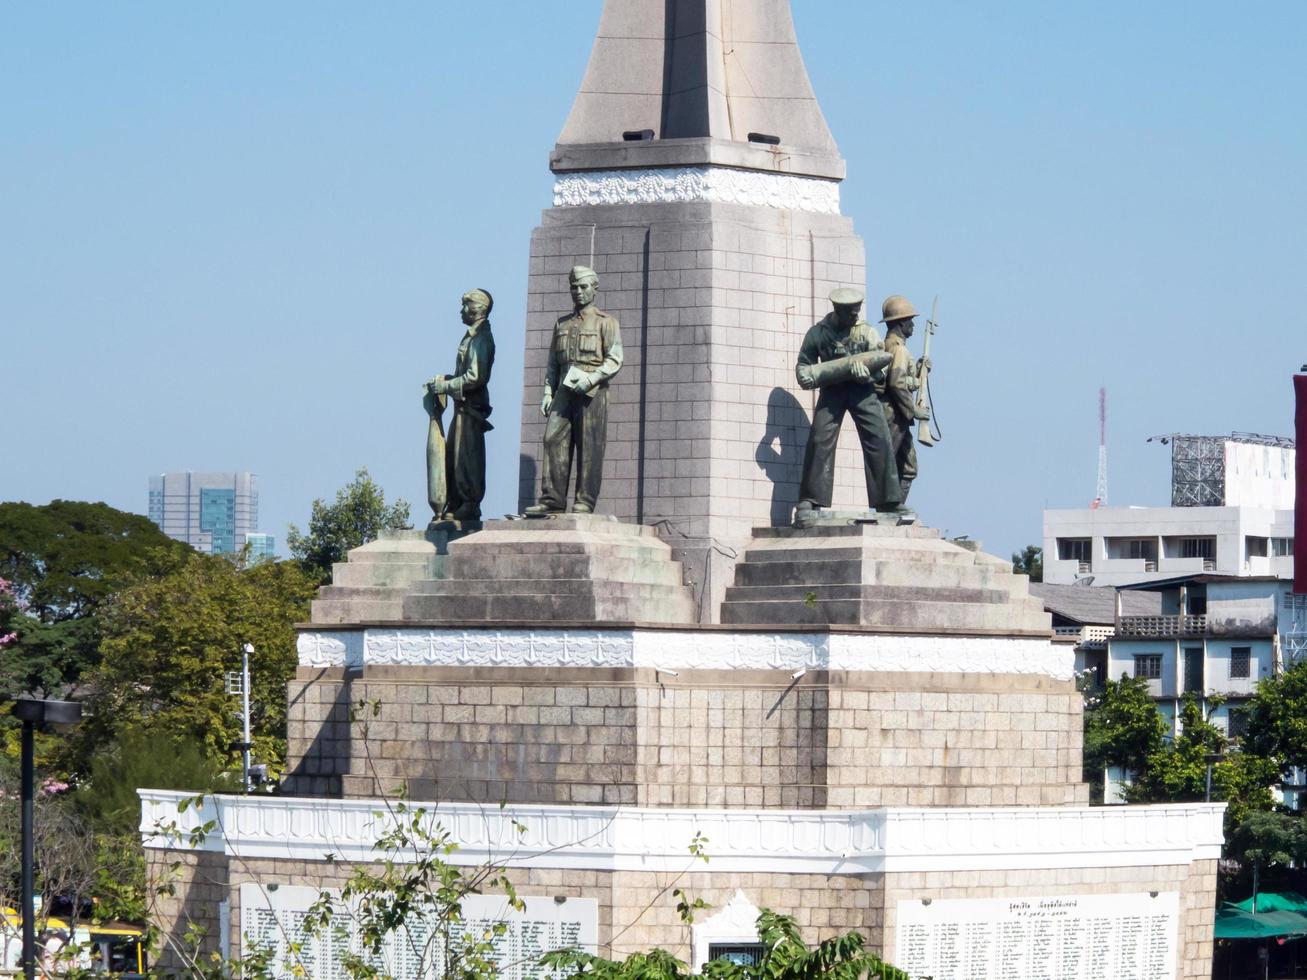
(898, 386)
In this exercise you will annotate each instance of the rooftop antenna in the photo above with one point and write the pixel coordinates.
(1100, 498)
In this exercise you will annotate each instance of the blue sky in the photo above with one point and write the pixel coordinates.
(234, 235)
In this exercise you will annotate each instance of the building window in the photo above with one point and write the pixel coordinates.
(741, 954)
(1236, 722)
(1148, 666)
(1193, 670)
(1281, 547)
(1204, 548)
(1073, 549)
(1255, 547)
(1134, 549)
(1241, 661)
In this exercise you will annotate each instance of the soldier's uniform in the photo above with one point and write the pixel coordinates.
(465, 453)
(577, 427)
(826, 342)
(897, 393)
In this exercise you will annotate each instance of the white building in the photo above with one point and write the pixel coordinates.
(1232, 514)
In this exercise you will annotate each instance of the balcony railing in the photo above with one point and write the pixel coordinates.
(1162, 626)
(1089, 636)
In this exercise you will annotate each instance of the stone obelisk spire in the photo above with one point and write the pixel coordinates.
(697, 175)
(696, 69)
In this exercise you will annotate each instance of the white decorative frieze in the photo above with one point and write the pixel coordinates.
(688, 185)
(688, 649)
(832, 842)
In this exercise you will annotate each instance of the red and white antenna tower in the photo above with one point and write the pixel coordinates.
(1100, 499)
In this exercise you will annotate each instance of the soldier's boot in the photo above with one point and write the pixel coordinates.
(804, 514)
(541, 510)
(581, 507)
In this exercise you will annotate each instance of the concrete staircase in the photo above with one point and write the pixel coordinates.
(570, 569)
(861, 574)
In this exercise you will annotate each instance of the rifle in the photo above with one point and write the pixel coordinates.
(924, 435)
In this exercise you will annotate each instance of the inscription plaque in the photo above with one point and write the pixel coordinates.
(275, 920)
(1065, 937)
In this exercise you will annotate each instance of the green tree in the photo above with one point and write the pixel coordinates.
(785, 956)
(1245, 782)
(62, 561)
(1265, 840)
(358, 516)
(170, 640)
(1176, 772)
(1275, 719)
(1029, 561)
(107, 801)
(1122, 727)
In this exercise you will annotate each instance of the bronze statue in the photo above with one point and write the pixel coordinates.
(586, 353)
(456, 466)
(843, 357)
(898, 389)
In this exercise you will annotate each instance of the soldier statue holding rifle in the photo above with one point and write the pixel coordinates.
(902, 388)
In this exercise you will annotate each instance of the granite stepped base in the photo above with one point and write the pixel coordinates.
(370, 586)
(570, 568)
(867, 575)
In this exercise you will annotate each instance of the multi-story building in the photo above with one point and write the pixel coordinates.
(216, 513)
(1231, 513)
(1086, 616)
(1216, 637)
(263, 547)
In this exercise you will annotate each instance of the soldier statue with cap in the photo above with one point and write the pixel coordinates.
(585, 354)
(843, 357)
(897, 389)
(456, 465)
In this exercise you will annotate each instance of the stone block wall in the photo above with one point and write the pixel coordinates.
(738, 738)
(707, 424)
(636, 910)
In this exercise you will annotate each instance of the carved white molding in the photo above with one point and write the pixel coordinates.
(688, 649)
(685, 185)
(737, 923)
(832, 842)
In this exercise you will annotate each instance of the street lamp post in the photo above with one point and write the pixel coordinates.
(1211, 758)
(32, 713)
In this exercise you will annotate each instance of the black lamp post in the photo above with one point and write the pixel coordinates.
(32, 713)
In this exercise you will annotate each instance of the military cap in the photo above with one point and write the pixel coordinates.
(844, 296)
(481, 297)
(582, 272)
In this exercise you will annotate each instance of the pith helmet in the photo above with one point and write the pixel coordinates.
(847, 297)
(897, 308)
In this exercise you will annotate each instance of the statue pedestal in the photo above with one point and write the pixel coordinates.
(861, 574)
(570, 569)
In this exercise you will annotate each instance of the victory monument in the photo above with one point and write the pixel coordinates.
(715, 617)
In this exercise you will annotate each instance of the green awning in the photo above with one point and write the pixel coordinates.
(1234, 923)
(1273, 902)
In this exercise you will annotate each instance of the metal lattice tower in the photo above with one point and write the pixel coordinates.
(1100, 498)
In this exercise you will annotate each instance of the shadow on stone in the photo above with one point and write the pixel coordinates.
(780, 452)
(527, 475)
